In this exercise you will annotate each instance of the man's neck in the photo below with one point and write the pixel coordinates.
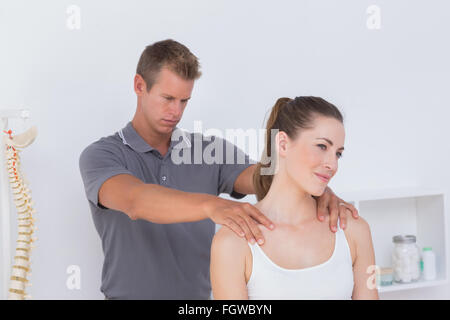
(156, 140)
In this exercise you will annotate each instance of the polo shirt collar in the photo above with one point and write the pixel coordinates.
(131, 138)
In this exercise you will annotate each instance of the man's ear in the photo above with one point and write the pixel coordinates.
(140, 86)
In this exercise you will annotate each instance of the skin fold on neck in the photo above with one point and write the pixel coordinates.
(286, 203)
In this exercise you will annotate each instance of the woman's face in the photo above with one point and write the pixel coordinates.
(310, 154)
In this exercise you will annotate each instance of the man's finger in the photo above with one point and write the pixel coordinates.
(257, 234)
(350, 207)
(234, 227)
(322, 206)
(334, 213)
(353, 210)
(243, 224)
(343, 216)
(259, 217)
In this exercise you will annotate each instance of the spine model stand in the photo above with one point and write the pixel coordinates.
(22, 200)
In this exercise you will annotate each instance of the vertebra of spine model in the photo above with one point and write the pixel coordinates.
(24, 205)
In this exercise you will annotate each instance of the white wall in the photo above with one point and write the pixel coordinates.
(390, 83)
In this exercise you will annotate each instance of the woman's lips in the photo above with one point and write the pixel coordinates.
(322, 177)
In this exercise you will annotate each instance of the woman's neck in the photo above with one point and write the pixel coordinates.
(287, 203)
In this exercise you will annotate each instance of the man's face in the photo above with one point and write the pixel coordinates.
(163, 106)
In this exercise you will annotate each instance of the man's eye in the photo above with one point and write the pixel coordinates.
(322, 145)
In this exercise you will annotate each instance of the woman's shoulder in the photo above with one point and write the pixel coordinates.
(358, 234)
(354, 228)
(228, 241)
(357, 227)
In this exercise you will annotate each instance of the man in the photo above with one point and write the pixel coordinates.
(156, 218)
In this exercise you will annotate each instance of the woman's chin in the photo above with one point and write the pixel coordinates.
(318, 191)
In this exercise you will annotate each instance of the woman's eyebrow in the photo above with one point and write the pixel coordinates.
(330, 142)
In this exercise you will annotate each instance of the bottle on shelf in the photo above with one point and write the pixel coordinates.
(429, 263)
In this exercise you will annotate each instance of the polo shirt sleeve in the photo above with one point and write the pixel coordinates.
(230, 170)
(98, 162)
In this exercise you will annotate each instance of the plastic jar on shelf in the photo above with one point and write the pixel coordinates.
(386, 276)
(406, 259)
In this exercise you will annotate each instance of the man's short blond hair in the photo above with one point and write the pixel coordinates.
(171, 54)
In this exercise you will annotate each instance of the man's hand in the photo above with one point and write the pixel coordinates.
(328, 202)
(241, 217)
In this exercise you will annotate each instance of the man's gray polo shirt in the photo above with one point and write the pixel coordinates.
(145, 260)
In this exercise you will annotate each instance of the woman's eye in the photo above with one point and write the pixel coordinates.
(322, 145)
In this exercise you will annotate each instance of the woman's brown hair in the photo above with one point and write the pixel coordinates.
(290, 116)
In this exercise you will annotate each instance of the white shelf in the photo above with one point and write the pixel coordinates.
(413, 285)
(399, 211)
(388, 193)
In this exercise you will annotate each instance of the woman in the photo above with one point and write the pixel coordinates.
(301, 258)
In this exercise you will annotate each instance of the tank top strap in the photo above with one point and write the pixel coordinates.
(253, 249)
(342, 247)
(339, 233)
(258, 256)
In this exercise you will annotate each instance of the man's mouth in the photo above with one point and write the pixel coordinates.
(170, 121)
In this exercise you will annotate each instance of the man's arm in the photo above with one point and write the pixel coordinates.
(159, 204)
(151, 202)
(244, 182)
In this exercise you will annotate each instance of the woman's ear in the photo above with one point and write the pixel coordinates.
(282, 141)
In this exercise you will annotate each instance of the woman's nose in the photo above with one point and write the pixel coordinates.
(331, 164)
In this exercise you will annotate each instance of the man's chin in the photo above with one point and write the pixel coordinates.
(166, 128)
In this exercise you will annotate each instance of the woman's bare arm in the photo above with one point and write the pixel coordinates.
(363, 268)
(227, 269)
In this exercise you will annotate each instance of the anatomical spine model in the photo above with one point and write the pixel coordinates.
(22, 200)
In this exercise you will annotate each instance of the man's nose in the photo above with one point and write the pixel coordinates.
(176, 108)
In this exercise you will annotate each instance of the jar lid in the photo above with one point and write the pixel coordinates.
(386, 270)
(404, 239)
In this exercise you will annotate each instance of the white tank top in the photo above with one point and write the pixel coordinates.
(332, 279)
